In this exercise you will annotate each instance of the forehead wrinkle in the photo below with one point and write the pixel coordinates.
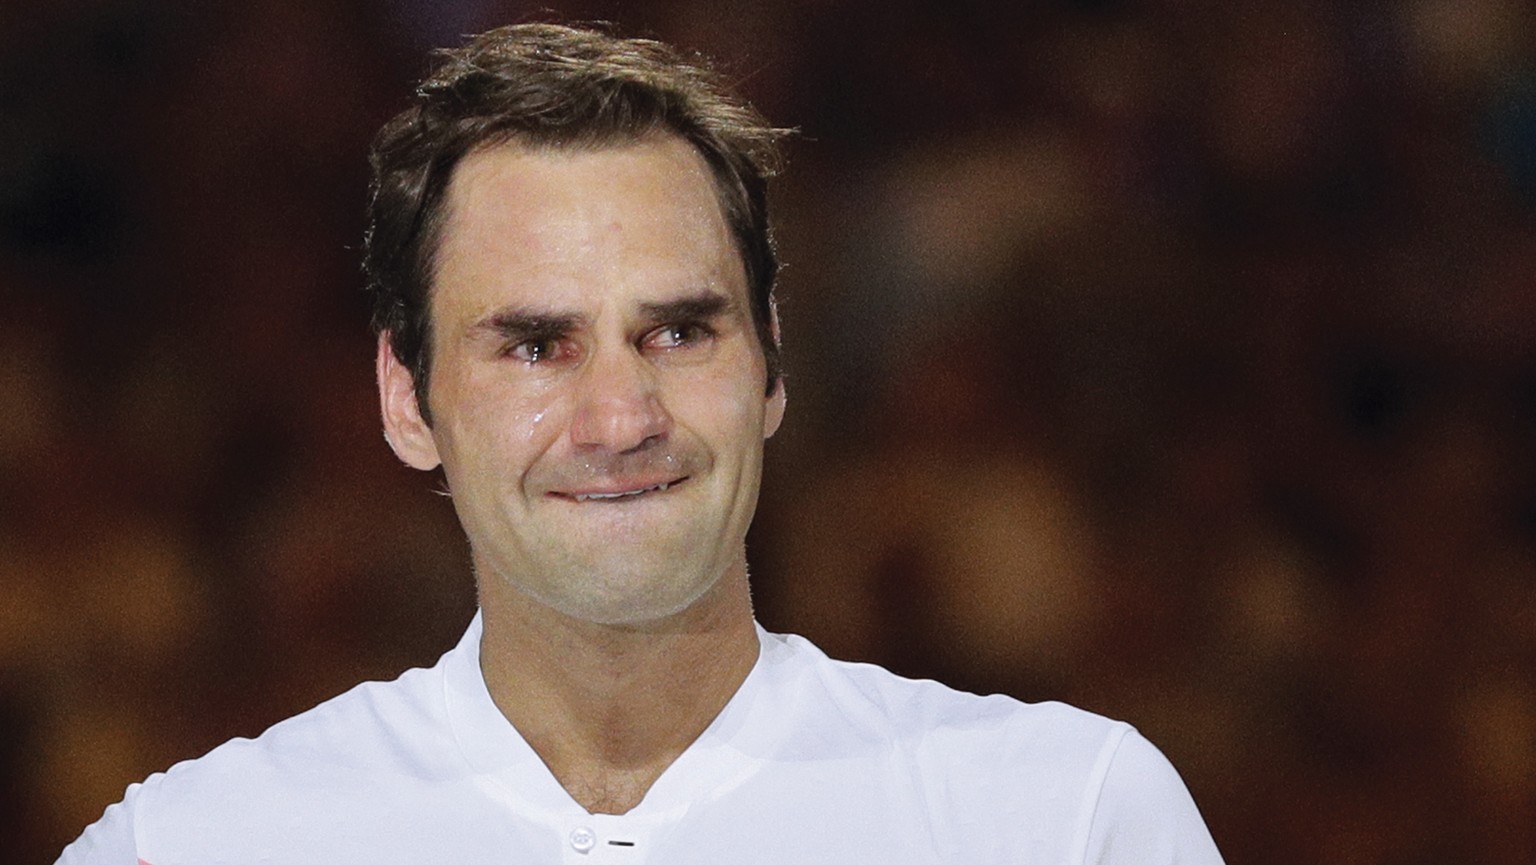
(482, 178)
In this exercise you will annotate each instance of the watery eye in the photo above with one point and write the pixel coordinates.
(677, 335)
(532, 350)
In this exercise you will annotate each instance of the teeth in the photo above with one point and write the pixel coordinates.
(583, 497)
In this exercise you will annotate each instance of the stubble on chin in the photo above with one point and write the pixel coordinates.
(602, 582)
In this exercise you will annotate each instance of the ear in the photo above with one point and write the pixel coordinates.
(775, 413)
(778, 399)
(408, 435)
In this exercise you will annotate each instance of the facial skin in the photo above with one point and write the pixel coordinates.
(596, 391)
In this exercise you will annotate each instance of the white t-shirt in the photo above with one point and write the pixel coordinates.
(813, 760)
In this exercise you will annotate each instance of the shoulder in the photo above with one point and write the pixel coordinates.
(923, 714)
(378, 735)
(374, 727)
(1144, 813)
(975, 754)
(1027, 775)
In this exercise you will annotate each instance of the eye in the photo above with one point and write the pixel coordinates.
(678, 335)
(533, 351)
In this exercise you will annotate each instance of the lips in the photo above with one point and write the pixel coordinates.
(619, 492)
(626, 494)
(627, 477)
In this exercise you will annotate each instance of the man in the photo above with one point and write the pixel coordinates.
(571, 261)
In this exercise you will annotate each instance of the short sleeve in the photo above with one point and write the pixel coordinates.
(108, 841)
(1145, 814)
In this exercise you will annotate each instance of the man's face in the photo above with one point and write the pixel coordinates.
(597, 385)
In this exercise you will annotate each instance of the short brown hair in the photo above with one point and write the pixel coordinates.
(550, 85)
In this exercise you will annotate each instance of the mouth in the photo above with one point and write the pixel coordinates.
(620, 495)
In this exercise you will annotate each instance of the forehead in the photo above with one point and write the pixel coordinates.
(557, 226)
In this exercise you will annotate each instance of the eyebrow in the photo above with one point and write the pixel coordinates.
(524, 324)
(519, 325)
(703, 305)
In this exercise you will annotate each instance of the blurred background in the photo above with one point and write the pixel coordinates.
(1174, 358)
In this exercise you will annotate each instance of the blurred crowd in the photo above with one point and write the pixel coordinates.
(1173, 358)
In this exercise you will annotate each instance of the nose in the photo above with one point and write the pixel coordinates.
(618, 408)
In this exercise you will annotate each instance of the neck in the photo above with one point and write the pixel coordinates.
(609, 707)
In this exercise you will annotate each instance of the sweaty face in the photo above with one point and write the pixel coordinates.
(597, 387)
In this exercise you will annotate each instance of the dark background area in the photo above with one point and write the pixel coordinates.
(1176, 359)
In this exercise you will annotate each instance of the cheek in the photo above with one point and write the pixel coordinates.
(503, 428)
(730, 409)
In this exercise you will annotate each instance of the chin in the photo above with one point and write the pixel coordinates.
(635, 600)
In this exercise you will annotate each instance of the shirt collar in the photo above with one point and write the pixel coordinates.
(729, 751)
